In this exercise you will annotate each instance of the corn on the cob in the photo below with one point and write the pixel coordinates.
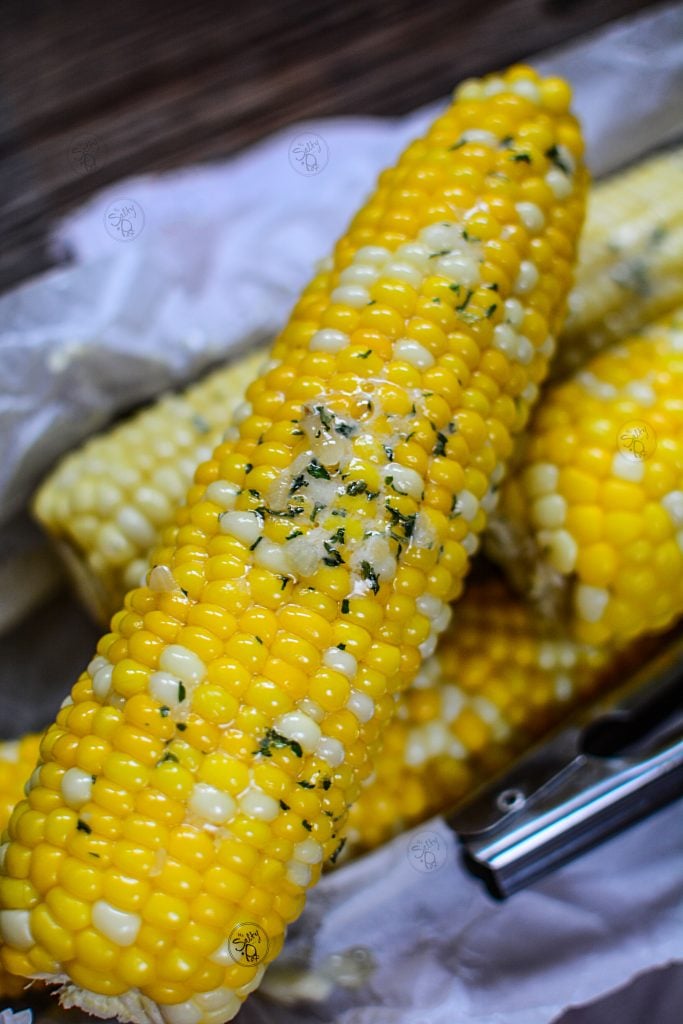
(105, 503)
(595, 506)
(497, 681)
(630, 268)
(202, 768)
(17, 761)
(634, 219)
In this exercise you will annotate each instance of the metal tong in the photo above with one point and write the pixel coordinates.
(614, 763)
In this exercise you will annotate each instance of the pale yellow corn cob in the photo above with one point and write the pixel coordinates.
(202, 768)
(630, 268)
(105, 503)
(594, 510)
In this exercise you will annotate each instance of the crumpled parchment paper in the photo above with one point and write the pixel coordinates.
(172, 272)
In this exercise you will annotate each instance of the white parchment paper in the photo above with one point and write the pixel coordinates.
(214, 259)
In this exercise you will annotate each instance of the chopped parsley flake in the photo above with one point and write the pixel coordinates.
(440, 446)
(356, 487)
(317, 471)
(275, 739)
(307, 825)
(164, 711)
(166, 757)
(83, 827)
(333, 557)
(182, 692)
(406, 522)
(521, 158)
(554, 154)
(252, 547)
(465, 303)
(488, 313)
(317, 508)
(338, 536)
(335, 855)
(368, 573)
(345, 606)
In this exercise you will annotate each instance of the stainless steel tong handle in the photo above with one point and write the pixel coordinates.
(615, 763)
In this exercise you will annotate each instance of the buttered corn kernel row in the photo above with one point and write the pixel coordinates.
(498, 680)
(202, 769)
(105, 504)
(17, 761)
(594, 511)
(630, 267)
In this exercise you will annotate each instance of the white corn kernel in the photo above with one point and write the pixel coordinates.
(101, 682)
(121, 927)
(625, 468)
(165, 688)
(590, 602)
(211, 804)
(300, 728)
(257, 804)
(558, 183)
(76, 786)
(15, 928)
(404, 480)
(541, 478)
(308, 852)
(549, 511)
(527, 278)
(328, 340)
(531, 216)
(244, 526)
(340, 661)
(361, 705)
(413, 352)
(673, 504)
(330, 750)
(182, 663)
(353, 295)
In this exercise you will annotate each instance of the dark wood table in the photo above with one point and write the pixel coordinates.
(93, 92)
